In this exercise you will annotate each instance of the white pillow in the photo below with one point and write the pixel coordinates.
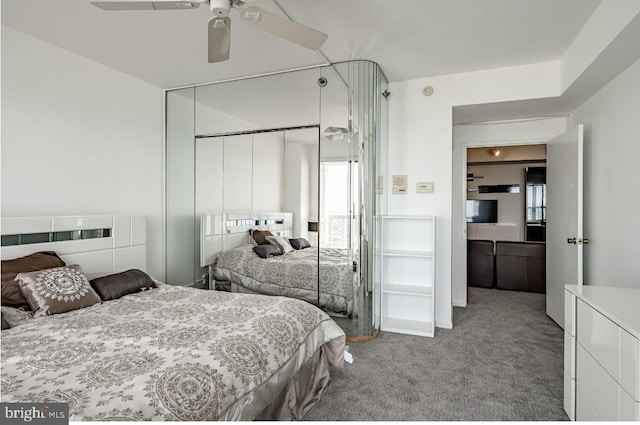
(283, 243)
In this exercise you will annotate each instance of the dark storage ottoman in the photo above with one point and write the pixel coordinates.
(480, 263)
(521, 266)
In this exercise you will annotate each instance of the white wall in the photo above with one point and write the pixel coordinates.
(611, 178)
(79, 138)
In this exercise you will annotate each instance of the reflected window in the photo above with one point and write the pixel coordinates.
(336, 180)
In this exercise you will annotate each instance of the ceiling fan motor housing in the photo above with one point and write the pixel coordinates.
(220, 8)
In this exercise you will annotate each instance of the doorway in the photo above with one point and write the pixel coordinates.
(505, 218)
(486, 134)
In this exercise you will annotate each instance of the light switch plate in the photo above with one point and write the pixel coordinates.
(424, 187)
(380, 185)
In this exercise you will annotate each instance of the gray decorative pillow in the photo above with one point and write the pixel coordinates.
(280, 242)
(267, 251)
(299, 243)
(57, 290)
(5, 324)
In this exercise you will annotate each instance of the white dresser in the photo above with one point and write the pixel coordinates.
(601, 353)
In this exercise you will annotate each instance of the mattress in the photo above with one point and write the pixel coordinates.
(173, 353)
(302, 274)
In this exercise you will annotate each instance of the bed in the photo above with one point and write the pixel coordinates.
(168, 353)
(296, 274)
(225, 247)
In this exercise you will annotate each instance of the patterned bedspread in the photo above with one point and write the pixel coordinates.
(167, 354)
(293, 275)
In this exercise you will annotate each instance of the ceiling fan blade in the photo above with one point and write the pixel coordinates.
(146, 5)
(289, 30)
(219, 39)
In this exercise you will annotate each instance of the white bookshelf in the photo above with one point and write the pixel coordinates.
(408, 274)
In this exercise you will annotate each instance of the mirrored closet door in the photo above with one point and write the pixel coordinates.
(288, 162)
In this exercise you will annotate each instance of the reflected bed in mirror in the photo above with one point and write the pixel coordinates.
(226, 247)
(294, 274)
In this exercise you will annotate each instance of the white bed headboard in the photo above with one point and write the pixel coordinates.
(99, 244)
(222, 232)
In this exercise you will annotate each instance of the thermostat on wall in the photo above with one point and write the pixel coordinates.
(399, 184)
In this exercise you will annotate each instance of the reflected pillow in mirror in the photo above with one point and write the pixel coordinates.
(267, 251)
(300, 243)
(260, 236)
(280, 242)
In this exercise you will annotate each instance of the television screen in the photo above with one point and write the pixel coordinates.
(482, 211)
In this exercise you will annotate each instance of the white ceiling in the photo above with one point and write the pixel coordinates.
(408, 38)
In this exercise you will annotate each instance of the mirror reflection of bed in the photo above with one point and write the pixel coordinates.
(283, 154)
(319, 267)
(268, 260)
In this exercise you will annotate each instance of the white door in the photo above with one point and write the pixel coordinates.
(564, 218)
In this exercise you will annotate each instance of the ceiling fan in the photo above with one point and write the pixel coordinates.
(219, 26)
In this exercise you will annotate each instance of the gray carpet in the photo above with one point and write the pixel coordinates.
(501, 361)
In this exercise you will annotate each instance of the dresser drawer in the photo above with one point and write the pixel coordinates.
(600, 337)
(596, 386)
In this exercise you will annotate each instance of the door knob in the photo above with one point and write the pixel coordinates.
(584, 241)
(572, 240)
